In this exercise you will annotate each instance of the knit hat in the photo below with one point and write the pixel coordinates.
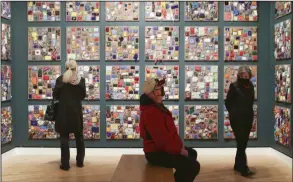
(151, 83)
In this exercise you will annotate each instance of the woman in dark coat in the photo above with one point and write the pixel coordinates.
(239, 103)
(70, 91)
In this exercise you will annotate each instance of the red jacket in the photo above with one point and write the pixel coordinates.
(157, 128)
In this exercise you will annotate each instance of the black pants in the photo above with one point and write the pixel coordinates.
(187, 168)
(65, 154)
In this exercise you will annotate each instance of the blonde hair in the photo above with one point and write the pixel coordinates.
(70, 73)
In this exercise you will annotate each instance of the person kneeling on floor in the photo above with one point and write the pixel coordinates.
(161, 143)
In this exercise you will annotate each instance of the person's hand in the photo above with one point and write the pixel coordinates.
(184, 152)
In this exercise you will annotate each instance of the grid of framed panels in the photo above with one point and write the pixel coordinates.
(228, 131)
(92, 80)
(283, 40)
(282, 125)
(5, 42)
(5, 82)
(171, 74)
(122, 11)
(38, 11)
(122, 122)
(201, 11)
(83, 43)
(41, 81)
(82, 11)
(283, 83)
(201, 122)
(162, 43)
(6, 9)
(162, 11)
(240, 11)
(230, 76)
(44, 43)
(6, 125)
(282, 8)
(201, 82)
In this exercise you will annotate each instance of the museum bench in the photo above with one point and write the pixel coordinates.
(135, 168)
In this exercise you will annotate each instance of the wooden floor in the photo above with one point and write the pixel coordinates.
(100, 169)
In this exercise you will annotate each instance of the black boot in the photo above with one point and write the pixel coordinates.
(64, 167)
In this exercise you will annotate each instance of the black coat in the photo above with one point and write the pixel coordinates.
(69, 117)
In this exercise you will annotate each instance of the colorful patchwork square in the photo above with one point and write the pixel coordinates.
(82, 11)
(5, 82)
(92, 80)
(6, 9)
(282, 8)
(240, 11)
(162, 11)
(282, 127)
(122, 11)
(5, 42)
(43, 11)
(283, 40)
(283, 83)
(6, 125)
(201, 11)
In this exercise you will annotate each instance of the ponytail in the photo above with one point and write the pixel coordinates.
(67, 76)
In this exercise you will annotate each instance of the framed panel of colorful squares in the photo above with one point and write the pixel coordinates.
(283, 83)
(201, 11)
(240, 44)
(201, 122)
(228, 132)
(171, 74)
(91, 122)
(92, 80)
(162, 11)
(122, 122)
(282, 8)
(122, 11)
(82, 11)
(122, 82)
(283, 40)
(122, 43)
(6, 9)
(162, 43)
(5, 42)
(43, 11)
(230, 76)
(201, 82)
(6, 125)
(40, 129)
(201, 43)
(44, 43)
(41, 81)
(240, 11)
(5, 82)
(282, 127)
(83, 43)
(174, 109)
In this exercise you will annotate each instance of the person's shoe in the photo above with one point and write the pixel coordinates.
(79, 164)
(247, 173)
(65, 168)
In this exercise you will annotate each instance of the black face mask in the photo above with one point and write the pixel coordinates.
(243, 80)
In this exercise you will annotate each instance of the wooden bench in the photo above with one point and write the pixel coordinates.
(135, 168)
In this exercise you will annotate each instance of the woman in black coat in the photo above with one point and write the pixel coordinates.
(70, 91)
(239, 103)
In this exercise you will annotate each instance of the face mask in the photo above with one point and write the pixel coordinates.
(244, 80)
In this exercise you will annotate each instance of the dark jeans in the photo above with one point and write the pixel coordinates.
(65, 154)
(187, 168)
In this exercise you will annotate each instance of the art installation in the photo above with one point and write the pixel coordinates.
(92, 80)
(41, 81)
(201, 82)
(228, 132)
(121, 43)
(201, 43)
(5, 42)
(43, 11)
(201, 11)
(283, 40)
(240, 11)
(122, 82)
(201, 122)
(162, 43)
(240, 44)
(283, 83)
(44, 43)
(122, 122)
(122, 11)
(282, 126)
(91, 122)
(40, 129)
(230, 76)
(282, 8)
(6, 9)
(6, 125)
(162, 11)
(5, 82)
(174, 109)
(83, 43)
(171, 74)
(82, 11)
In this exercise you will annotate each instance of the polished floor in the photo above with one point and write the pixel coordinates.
(42, 165)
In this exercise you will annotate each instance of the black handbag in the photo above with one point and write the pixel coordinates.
(51, 112)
